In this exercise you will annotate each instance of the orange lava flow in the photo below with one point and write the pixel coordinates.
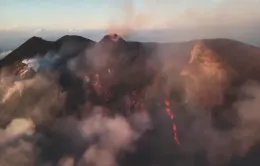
(171, 115)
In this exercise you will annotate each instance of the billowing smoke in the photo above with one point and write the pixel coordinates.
(41, 63)
(248, 114)
(133, 20)
(35, 98)
(24, 105)
(221, 145)
(97, 138)
(115, 136)
(207, 77)
(223, 117)
(73, 126)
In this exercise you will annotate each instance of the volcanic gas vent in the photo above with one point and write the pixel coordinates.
(113, 39)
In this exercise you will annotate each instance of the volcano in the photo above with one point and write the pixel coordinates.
(74, 75)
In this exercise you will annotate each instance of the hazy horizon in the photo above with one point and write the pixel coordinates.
(155, 21)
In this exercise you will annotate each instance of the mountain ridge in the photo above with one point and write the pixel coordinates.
(57, 43)
(118, 75)
(234, 60)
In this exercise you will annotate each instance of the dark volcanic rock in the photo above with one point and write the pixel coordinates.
(113, 71)
(29, 49)
(66, 46)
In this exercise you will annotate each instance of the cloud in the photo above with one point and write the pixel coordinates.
(41, 100)
(116, 135)
(3, 54)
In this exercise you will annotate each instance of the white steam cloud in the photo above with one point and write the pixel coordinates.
(40, 99)
(116, 135)
(3, 54)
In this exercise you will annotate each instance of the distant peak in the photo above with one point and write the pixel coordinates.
(35, 38)
(112, 37)
(115, 37)
(72, 37)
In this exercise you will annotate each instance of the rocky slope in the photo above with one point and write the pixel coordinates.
(125, 78)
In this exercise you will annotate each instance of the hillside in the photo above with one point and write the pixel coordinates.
(210, 63)
(222, 64)
(36, 46)
(179, 85)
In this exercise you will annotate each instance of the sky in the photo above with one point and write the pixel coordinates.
(86, 14)
(100, 14)
(185, 19)
(56, 14)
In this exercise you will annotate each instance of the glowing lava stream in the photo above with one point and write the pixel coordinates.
(133, 103)
(171, 115)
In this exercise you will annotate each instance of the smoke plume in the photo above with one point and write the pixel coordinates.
(115, 136)
(132, 21)
(222, 145)
(97, 139)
